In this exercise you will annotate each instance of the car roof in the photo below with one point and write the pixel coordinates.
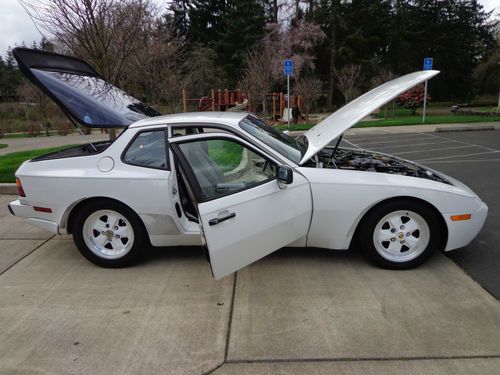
(227, 118)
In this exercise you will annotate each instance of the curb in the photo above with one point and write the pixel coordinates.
(463, 128)
(8, 189)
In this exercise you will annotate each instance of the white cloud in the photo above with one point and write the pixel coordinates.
(490, 5)
(15, 26)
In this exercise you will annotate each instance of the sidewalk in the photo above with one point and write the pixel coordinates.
(25, 144)
(299, 311)
(418, 128)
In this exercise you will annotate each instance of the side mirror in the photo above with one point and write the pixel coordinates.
(284, 175)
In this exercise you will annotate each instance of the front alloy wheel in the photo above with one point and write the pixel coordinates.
(400, 234)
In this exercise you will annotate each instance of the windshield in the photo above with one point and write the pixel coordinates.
(291, 148)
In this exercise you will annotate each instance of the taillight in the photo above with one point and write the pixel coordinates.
(20, 190)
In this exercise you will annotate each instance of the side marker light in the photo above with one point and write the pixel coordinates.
(460, 217)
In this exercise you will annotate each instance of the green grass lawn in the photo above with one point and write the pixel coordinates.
(10, 162)
(226, 155)
(3, 145)
(431, 119)
(407, 120)
(16, 135)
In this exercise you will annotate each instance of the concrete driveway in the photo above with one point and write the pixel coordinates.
(297, 311)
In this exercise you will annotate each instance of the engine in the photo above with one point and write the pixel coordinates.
(369, 161)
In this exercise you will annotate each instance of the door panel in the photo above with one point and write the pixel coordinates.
(250, 216)
(266, 218)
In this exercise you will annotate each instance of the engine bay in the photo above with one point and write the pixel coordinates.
(359, 160)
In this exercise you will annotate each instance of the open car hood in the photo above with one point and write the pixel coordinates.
(349, 115)
(82, 94)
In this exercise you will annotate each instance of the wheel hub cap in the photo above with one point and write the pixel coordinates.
(401, 236)
(108, 234)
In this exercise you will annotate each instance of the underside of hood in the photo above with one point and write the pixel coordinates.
(349, 115)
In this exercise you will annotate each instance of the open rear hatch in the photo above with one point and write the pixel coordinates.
(82, 94)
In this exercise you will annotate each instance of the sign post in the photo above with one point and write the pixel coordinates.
(288, 70)
(427, 66)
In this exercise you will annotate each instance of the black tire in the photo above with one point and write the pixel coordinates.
(140, 237)
(365, 233)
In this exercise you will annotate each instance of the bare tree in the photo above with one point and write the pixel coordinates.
(347, 80)
(155, 72)
(382, 77)
(106, 33)
(295, 42)
(32, 98)
(203, 73)
(258, 78)
(310, 90)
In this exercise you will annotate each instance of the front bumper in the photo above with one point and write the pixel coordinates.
(25, 211)
(461, 233)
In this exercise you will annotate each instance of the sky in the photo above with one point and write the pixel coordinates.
(16, 26)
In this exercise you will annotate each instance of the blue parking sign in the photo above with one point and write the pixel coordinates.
(288, 67)
(428, 63)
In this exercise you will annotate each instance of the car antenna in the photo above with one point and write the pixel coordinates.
(82, 133)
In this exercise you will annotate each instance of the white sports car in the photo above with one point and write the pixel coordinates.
(230, 182)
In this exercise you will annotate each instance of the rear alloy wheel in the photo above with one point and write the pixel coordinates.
(400, 234)
(108, 234)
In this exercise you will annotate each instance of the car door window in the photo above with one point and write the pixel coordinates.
(223, 166)
(148, 150)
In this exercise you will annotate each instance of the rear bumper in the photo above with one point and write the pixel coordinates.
(25, 211)
(461, 233)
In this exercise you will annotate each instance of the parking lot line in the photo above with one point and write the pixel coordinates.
(465, 143)
(418, 144)
(461, 161)
(351, 143)
(392, 136)
(433, 149)
(392, 141)
(458, 156)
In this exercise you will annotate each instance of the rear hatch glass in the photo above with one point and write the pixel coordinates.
(80, 91)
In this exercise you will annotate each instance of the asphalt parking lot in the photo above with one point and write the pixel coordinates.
(298, 311)
(472, 157)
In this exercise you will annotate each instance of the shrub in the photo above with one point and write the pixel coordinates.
(33, 129)
(413, 98)
(85, 130)
(63, 128)
(483, 101)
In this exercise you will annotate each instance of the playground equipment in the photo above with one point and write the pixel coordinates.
(220, 100)
(238, 100)
(277, 102)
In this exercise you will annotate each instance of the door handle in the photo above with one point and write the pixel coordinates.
(218, 220)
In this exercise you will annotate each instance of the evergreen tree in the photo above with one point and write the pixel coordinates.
(395, 35)
(179, 18)
(10, 77)
(242, 27)
(205, 21)
(456, 34)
